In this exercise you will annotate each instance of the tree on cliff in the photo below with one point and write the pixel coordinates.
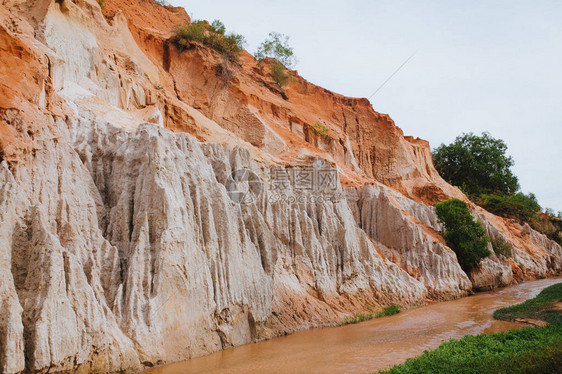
(277, 47)
(463, 234)
(480, 166)
(477, 164)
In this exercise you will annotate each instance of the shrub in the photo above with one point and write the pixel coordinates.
(519, 206)
(230, 45)
(235, 42)
(357, 318)
(280, 74)
(389, 311)
(195, 31)
(320, 129)
(556, 236)
(524, 208)
(362, 317)
(463, 234)
(101, 3)
(478, 164)
(502, 247)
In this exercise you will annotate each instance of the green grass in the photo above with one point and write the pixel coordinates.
(536, 308)
(357, 318)
(362, 317)
(389, 311)
(527, 350)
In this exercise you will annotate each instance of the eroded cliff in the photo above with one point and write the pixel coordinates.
(120, 244)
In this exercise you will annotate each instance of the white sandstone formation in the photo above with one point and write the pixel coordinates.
(120, 247)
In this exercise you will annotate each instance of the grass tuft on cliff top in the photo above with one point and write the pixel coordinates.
(212, 35)
(528, 350)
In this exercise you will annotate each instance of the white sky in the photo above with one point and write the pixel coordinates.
(480, 66)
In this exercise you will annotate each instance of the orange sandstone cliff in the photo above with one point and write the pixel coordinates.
(120, 242)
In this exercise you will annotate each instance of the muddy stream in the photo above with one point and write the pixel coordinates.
(368, 346)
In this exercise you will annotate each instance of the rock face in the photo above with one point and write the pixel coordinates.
(408, 233)
(120, 245)
(129, 247)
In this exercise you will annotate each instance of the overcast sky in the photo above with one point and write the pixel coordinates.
(478, 66)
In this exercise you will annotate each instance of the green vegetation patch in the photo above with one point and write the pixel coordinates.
(212, 35)
(477, 164)
(480, 166)
(321, 129)
(280, 75)
(389, 311)
(502, 247)
(362, 317)
(276, 46)
(524, 208)
(357, 318)
(539, 307)
(519, 205)
(527, 350)
(463, 234)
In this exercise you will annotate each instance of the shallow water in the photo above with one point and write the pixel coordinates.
(368, 346)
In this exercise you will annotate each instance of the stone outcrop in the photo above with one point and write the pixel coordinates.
(126, 249)
(408, 232)
(120, 245)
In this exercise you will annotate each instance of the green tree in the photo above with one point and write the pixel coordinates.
(463, 234)
(277, 46)
(476, 164)
(218, 27)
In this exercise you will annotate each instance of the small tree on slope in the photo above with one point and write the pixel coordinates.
(463, 234)
(276, 46)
